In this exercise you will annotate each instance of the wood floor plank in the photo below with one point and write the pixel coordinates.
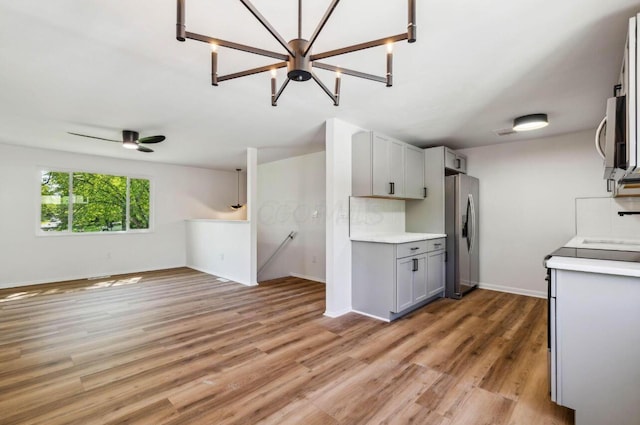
(483, 408)
(177, 347)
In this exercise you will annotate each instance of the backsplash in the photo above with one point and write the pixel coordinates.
(598, 217)
(372, 215)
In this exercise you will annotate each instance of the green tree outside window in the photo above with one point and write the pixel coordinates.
(99, 202)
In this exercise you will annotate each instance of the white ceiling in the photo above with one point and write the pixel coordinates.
(97, 67)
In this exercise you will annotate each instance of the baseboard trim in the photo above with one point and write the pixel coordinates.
(57, 279)
(212, 273)
(338, 313)
(304, 276)
(513, 290)
(371, 316)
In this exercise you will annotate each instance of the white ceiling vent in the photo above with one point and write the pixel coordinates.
(504, 131)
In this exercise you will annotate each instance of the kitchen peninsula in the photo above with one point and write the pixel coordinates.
(396, 273)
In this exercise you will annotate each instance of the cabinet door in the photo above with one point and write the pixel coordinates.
(420, 291)
(461, 161)
(396, 164)
(404, 284)
(449, 159)
(381, 185)
(435, 272)
(414, 172)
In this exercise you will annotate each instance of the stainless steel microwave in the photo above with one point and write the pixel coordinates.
(620, 127)
(614, 127)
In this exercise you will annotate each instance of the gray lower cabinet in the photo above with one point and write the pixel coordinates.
(436, 272)
(389, 280)
(411, 281)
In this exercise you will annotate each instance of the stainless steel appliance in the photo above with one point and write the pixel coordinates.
(461, 227)
(621, 151)
(615, 147)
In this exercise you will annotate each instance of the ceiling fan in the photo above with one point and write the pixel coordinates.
(130, 140)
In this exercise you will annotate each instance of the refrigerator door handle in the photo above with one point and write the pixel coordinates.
(467, 227)
(472, 244)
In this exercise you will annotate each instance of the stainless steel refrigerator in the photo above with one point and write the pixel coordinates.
(461, 227)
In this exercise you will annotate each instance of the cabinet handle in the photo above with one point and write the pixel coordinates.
(415, 265)
(392, 188)
(414, 248)
(457, 162)
(437, 244)
(425, 192)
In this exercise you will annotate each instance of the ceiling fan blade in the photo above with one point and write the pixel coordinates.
(94, 137)
(144, 149)
(151, 139)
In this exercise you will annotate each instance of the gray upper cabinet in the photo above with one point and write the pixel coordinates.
(427, 216)
(455, 161)
(380, 167)
(414, 173)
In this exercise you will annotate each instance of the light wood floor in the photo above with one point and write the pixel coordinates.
(179, 347)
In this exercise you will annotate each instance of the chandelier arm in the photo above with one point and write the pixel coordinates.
(347, 71)
(321, 25)
(326, 90)
(274, 101)
(267, 25)
(252, 71)
(361, 46)
(236, 46)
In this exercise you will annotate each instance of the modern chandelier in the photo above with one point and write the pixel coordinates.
(298, 59)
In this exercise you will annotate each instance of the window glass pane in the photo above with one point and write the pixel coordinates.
(99, 202)
(139, 204)
(54, 203)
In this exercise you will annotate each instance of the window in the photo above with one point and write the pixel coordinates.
(79, 202)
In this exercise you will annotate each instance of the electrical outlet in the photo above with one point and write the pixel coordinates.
(222, 257)
(108, 256)
(314, 259)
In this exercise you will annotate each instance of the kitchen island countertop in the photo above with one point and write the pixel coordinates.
(396, 237)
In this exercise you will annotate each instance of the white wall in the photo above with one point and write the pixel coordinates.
(220, 248)
(338, 143)
(291, 197)
(527, 204)
(178, 193)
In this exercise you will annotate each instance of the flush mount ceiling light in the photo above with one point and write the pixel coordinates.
(530, 122)
(298, 59)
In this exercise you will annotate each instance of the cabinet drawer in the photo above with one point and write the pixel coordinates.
(436, 244)
(410, 248)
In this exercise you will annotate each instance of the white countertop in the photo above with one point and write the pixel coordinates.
(396, 237)
(610, 244)
(621, 268)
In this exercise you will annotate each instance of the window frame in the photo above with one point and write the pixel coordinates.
(69, 231)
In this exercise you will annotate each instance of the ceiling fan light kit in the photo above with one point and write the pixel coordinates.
(530, 122)
(298, 59)
(129, 139)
